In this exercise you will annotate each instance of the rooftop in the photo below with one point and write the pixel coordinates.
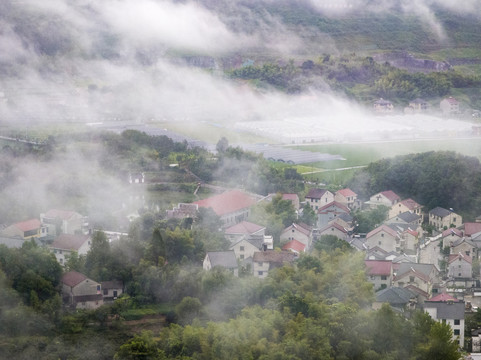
(225, 259)
(316, 193)
(73, 278)
(227, 202)
(60, 214)
(294, 245)
(244, 227)
(378, 267)
(69, 241)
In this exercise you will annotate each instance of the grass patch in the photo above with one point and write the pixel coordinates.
(150, 310)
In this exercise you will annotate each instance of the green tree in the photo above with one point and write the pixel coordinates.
(188, 309)
(141, 347)
(439, 345)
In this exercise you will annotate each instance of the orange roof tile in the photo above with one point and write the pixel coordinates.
(227, 202)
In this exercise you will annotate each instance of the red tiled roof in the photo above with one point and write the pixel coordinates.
(28, 225)
(61, 214)
(228, 202)
(455, 257)
(292, 197)
(244, 227)
(337, 204)
(294, 245)
(378, 267)
(69, 241)
(410, 204)
(346, 192)
(384, 228)
(391, 195)
(471, 228)
(73, 278)
(412, 232)
(452, 231)
(443, 297)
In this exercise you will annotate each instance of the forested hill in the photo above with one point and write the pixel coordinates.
(445, 179)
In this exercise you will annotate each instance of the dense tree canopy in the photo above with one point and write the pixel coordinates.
(445, 179)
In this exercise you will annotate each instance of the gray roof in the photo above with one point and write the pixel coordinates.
(460, 241)
(447, 310)
(225, 259)
(409, 217)
(439, 211)
(421, 268)
(394, 296)
(358, 244)
(346, 217)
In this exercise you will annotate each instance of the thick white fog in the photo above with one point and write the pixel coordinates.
(86, 61)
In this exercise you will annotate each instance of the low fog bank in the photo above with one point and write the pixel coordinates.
(131, 60)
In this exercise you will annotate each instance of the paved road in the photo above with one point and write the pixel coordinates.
(431, 254)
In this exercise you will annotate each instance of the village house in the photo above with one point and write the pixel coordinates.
(460, 267)
(464, 246)
(417, 277)
(346, 197)
(450, 236)
(329, 212)
(224, 259)
(245, 248)
(265, 261)
(243, 229)
(449, 106)
(387, 198)
(64, 222)
(336, 230)
(447, 309)
(80, 292)
(417, 106)
(382, 106)
(299, 232)
(111, 290)
(294, 246)
(232, 206)
(64, 245)
(407, 205)
(317, 198)
(384, 237)
(183, 211)
(409, 238)
(400, 299)
(406, 218)
(379, 273)
(442, 219)
(345, 220)
(26, 230)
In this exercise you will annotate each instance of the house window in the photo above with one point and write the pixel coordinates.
(456, 331)
(115, 293)
(241, 257)
(411, 279)
(454, 220)
(383, 277)
(382, 235)
(98, 288)
(260, 273)
(106, 292)
(459, 274)
(260, 263)
(241, 248)
(292, 230)
(379, 243)
(457, 322)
